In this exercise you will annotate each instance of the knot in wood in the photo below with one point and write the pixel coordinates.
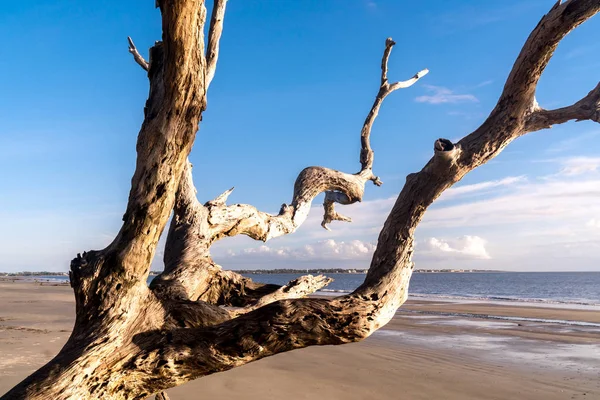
(443, 145)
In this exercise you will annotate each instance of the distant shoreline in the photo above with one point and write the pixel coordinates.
(349, 271)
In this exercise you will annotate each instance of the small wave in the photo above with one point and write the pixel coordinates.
(582, 302)
(47, 279)
(507, 299)
(505, 318)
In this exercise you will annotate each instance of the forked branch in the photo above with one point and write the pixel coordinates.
(164, 342)
(366, 154)
(516, 111)
(291, 324)
(587, 108)
(188, 265)
(339, 187)
(295, 289)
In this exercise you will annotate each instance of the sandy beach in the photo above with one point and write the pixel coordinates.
(431, 350)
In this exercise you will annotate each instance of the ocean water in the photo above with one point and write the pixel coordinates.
(575, 288)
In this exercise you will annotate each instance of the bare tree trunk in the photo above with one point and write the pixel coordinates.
(131, 341)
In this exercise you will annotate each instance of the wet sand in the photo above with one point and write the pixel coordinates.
(426, 352)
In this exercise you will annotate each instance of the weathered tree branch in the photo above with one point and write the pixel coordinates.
(340, 187)
(587, 108)
(137, 56)
(162, 396)
(130, 342)
(214, 37)
(172, 113)
(190, 273)
(110, 287)
(517, 100)
(290, 324)
(295, 289)
(366, 154)
(189, 270)
(519, 89)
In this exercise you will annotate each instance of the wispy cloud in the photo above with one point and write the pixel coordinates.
(371, 4)
(522, 219)
(574, 143)
(580, 51)
(579, 165)
(468, 18)
(352, 253)
(442, 95)
(558, 201)
(321, 250)
(467, 115)
(593, 223)
(334, 253)
(481, 187)
(484, 83)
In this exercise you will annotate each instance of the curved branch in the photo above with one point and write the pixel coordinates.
(171, 116)
(246, 220)
(158, 356)
(339, 187)
(295, 289)
(214, 36)
(191, 274)
(563, 17)
(366, 153)
(517, 102)
(292, 324)
(186, 354)
(587, 108)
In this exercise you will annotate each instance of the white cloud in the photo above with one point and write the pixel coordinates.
(580, 165)
(441, 95)
(481, 187)
(474, 16)
(558, 201)
(465, 247)
(593, 223)
(352, 253)
(328, 250)
(484, 83)
(529, 223)
(574, 142)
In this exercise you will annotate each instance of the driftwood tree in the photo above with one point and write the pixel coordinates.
(131, 341)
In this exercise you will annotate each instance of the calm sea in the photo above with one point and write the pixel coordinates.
(539, 287)
(582, 288)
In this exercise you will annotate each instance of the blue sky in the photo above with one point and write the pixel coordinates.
(294, 83)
